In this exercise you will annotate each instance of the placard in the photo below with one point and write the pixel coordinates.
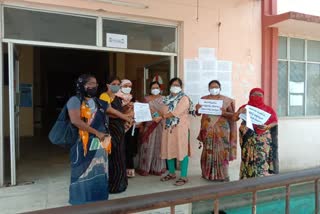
(211, 107)
(257, 116)
(142, 112)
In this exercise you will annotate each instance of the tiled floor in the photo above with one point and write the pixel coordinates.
(47, 166)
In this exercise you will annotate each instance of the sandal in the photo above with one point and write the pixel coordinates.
(130, 173)
(168, 177)
(181, 181)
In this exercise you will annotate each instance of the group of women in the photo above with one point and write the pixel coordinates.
(161, 143)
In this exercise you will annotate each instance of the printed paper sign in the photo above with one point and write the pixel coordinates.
(142, 112)
(117, 40)
(257, 116)
(212, 107)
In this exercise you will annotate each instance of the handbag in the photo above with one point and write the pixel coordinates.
(63, 133)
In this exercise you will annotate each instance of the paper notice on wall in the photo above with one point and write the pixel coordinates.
(224, 76)
(207, 53)
(191, 65)
(296, 100)
(296, 87)
(224, 66)
(208, 65)
(117, 40)
(193, 76)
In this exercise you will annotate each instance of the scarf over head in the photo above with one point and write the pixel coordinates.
(126, 98)
(258, 102)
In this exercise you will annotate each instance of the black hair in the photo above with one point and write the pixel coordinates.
(175, 79)
(113, 78)
(154, 83)
(214, 81)
(81, 81)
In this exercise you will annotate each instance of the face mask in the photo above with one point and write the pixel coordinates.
(114, 88)
(126, 90)
(155, 91)
(215, 91)
(175, 89)
(91, 92)
(256, 99)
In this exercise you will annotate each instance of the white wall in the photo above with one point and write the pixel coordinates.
(299, 143)
(311, 7)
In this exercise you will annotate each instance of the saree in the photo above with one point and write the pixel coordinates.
(150, 161)
(89, 172)
(118, 180)
(219, 138)
(259, 148)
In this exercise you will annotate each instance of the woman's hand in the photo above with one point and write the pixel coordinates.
(157, 119)
(101, 136)
(263, 127)
(198, 106)
(242, 111)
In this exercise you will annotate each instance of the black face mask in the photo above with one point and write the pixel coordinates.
(91, 92)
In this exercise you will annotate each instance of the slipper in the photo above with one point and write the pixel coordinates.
(168, 177)
(181, 181)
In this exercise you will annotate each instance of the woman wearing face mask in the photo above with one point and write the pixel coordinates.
(175, 136)
(218, 135)
(150, 161)
(130, 140)
(259, 147)
(118, 180)
(89, 159)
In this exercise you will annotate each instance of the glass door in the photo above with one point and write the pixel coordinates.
(160, 71)
(14, 109)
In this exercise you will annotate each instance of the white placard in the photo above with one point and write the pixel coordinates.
(257, 116)
(296, 100)
(296, 87)
(207, 53)
(142, 112)
(212, 107)
(117, 40)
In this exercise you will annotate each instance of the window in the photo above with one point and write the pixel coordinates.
(299, 77)
(49, 27)
(141, 36)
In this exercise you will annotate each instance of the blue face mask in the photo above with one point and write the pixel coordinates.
(114, 88)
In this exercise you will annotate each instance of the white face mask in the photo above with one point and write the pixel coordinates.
(155, 91)
(175, 89)
(126, 90)
(215, 91)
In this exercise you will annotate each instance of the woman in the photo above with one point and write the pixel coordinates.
(118, 180)
(131, 136)
(150, 161)
(89, 159)
(175, 136)
(258, 150)
(218, 134)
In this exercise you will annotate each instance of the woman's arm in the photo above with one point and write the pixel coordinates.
(118, 114)
(75, 119)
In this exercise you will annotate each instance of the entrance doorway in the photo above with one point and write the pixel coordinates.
(44, 79)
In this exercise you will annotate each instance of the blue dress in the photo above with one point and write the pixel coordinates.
(89, 174)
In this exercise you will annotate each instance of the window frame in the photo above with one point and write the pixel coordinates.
(288, 60)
